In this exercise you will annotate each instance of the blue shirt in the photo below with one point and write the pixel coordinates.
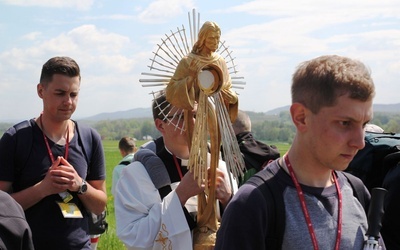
(49, 228)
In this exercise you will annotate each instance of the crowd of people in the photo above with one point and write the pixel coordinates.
(52, 168)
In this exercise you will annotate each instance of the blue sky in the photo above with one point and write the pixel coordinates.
(112, 41)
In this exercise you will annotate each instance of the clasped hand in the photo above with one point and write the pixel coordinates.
(60, 177)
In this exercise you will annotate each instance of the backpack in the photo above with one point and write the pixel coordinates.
(256, 154)
(24, 142)
(272, 191)
(158, 173)
(380, 154)
(24, 132)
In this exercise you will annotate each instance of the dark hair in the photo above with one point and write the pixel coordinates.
(160, 106)
(319, 82)
(127, 144)
(59, 65)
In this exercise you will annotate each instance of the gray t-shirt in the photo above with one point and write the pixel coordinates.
(245, 224)
(322, 204)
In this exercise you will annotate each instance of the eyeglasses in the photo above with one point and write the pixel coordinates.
(176, 120)
(175, 117)
(181, 117)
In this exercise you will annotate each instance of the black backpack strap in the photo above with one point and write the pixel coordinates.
(24, 141)
(158, 173)
(126, 163)
(154, 166)
(358, 190)
(85, 139)
(273, 194)
(150, 145)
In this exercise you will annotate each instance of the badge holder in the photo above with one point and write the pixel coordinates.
(69, 210)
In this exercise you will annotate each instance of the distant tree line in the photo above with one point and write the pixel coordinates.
(270, 128)
(390, 122)
(137, 128)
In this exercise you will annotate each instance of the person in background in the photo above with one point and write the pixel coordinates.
(256, 154)
(15, 232)
(154, 216)
(127, 149)
(331, 103)
(56, 184)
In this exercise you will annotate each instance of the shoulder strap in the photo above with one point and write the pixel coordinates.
(273, 194)
(85, 139)
(276, 217)
(24, 140)
(154, 166)
(126, 163)
(24, 137)
(359, 190)
(158, 173)
(150, 145)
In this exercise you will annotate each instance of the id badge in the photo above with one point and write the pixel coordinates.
(66, 196)
(70, 210)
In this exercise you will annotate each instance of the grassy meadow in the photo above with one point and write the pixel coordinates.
(109, 240)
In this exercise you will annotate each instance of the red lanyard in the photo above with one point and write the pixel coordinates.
(178, 167)
(47, 142)
(305, 210)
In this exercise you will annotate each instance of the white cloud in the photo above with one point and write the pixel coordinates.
(339, 8)
(32, 36)
(74, 4)
(288, 32)
(110, 17)
(160, 11)
(85, 40)
(90, 37)
(103, 57)
(113, 43)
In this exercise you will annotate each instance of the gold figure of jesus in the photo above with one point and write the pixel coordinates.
(202, 78)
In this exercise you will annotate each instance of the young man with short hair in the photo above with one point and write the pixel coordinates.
(331, 103)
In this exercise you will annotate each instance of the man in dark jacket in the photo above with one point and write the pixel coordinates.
(256, 154)
(14, 230)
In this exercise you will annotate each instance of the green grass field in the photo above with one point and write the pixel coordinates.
(109, 240)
